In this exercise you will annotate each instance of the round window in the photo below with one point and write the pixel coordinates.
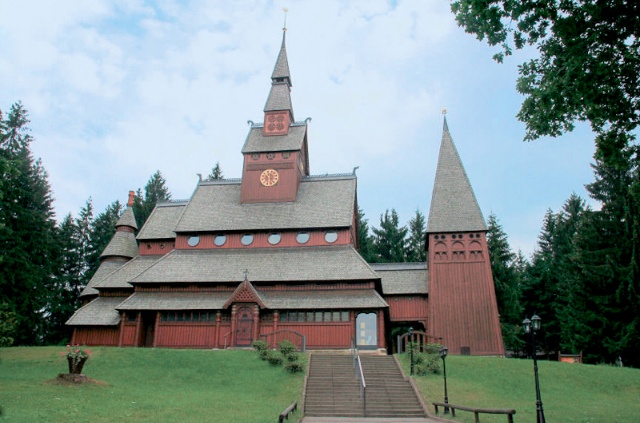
(219, 240)
(302, 237)
(331, 236)
(274, 239)
(193, 241)
(246, 239)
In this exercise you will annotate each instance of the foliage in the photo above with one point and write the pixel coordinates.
(8, 323)
(291, 357)
(588, 67)
(365, 242)
(286, 347)
(27, 230)
(389, 241)
(259, 345)
(155, 191)
(160, 385)
(76, 353)
(264, 354)
(275, 358)
(216, 173)
(416, 248)
(103, 227)
(294, 367)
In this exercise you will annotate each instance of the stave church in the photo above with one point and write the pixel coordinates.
(276, 252)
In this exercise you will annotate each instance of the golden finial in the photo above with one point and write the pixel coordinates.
(285, 10)
(444, 111)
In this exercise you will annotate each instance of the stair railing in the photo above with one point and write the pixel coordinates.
(357, 364)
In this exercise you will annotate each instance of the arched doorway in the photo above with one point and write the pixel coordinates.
(244, 327)
(367, 330)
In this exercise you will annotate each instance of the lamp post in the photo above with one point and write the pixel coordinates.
(531, 327)
(443, 355)
(411, 347)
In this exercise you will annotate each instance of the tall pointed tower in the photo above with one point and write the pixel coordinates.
(462, 303)
(275, 152)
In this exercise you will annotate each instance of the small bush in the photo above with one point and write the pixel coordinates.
(419, 358)
(275, 358)
(432, 349)
(259, 345)
(264, 354)
(292, 357)
(294, 367)
(286, 347)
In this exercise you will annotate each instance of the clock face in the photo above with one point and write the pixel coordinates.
(269, 177)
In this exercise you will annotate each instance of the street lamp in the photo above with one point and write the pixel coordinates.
(411, 347)
(531, 327)
(443, 355)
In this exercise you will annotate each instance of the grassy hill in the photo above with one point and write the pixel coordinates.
(163, 385)
(144, 385)
(571, 393)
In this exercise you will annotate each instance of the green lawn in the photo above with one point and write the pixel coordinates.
(145, 385)
(571, 393)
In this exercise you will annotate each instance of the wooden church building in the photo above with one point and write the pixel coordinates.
(277, 251)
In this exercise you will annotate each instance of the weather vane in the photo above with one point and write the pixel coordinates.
(285, 10)
(444, 111)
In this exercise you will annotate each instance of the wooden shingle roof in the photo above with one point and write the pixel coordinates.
(403, 278)
(281, 69)
(264, 265)
(162, 221)
(127, 219)
(279, 98)
(323, 202)
(106, 268)
(454, 207)
(120, 277)
(329, 299)
(256, 142)
(123, 244)
(175, 301)
(99, 312)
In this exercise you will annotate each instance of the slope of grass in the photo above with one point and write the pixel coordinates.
(571, 393)
(145, 385)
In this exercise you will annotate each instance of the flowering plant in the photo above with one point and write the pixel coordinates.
(76, 353)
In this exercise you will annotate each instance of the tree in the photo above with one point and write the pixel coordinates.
(8, 324)
(588, 67)
(416, 249)
(365, 244)
(156, 190)
(102, 229)
(506, 276)
(389, 241)
(216, 173)
(27, 229)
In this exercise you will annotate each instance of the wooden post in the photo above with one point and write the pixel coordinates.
(256, 322)
(155, 330)
(232, 341)
(216, 344)
(123, 317)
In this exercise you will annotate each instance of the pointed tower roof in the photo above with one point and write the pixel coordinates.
(123, 243)
(127, 219)
(454, 207)
(281, 70)
(280, 95)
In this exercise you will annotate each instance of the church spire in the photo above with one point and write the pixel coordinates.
(278, 112)
(454, 207)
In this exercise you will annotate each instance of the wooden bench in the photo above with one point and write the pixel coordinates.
(285, 414)
(476, 411)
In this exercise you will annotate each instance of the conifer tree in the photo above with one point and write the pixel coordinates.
(102, 229)
(216, 173)
(27, 229)
(416, 249)
(389, 241)
(365, 244)
(155, 191)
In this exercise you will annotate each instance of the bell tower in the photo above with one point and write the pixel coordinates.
(275, 152)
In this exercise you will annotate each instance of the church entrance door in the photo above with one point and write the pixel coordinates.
(244, 327)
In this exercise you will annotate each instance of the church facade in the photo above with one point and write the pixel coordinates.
(276, 252)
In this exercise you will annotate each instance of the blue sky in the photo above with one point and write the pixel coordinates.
(119, 89)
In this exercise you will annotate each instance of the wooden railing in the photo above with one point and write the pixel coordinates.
(273, 338)
(285, 414)
(420, 340)
(476, 411)
(357, 365)
(226, 338)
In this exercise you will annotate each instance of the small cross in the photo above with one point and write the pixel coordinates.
(285, 10)
(246, 274)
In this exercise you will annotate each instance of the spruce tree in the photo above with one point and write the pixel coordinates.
(27, 230)
(102, 229)
(389, 241)
(155, 191)
(216, 173)
(365, 244)
(416, 249)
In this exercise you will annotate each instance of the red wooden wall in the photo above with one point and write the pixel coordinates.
(96, 335)
(407, 307)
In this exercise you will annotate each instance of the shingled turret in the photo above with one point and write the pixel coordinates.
(462, 300)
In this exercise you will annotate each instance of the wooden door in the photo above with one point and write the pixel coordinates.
(244, 327)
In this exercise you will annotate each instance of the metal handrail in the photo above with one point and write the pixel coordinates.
(359, 375)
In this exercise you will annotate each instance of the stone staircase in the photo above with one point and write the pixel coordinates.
(333, 391)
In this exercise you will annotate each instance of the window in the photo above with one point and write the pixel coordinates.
(246, 239)
(274, 239)
(220, 240)
(331, 237)
(193, 241)
(302, 238)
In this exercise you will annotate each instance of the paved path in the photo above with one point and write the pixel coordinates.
(371, 420)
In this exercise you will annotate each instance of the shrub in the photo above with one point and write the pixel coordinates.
(259, 345)
(292, 357)
(432, 349)
(275, 358)
(264, 354)
(429, 363)
(294, 367)
(286, 347)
